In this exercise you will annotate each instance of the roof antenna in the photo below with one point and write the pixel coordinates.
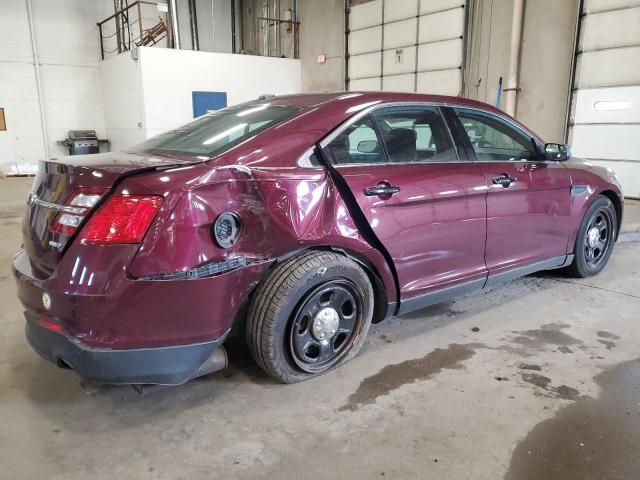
(266, 96)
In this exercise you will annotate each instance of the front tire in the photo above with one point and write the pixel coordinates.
(595, 239)
(309, 315)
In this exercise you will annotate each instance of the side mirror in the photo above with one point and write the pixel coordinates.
(368, 146)
(557, 151)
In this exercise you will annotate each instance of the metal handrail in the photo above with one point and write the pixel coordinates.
(278, 20)
(119, 12)
(136, 4)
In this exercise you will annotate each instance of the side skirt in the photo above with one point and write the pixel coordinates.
(450, 293)
(440, 296)
(550, 264)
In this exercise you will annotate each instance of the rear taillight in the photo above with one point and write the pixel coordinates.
(121, 219)
(79, 203)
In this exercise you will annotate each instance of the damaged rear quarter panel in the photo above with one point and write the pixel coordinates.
(282, 211)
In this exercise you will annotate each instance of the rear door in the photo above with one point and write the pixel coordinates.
(528, 196)
(424, 203)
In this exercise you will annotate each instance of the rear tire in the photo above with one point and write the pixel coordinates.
(595, 239)
(309, 315)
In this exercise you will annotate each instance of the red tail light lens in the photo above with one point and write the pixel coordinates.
(121, 219)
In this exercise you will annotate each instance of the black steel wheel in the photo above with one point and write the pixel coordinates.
(595, 239)
(325, 325)
(310, 314)
(599, 236)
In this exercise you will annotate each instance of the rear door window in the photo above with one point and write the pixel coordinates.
(358, 143)
(415, 134)
(395, 135)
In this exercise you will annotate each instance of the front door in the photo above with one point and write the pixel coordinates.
(423, 202)
(528, 199)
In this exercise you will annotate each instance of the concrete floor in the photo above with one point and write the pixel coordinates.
(538, 379)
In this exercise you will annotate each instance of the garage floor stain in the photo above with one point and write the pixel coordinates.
(530, 366)
(607, 343)
(536, 379)
(605, 334)
(592, 438)
(548, 334)
(394, 376)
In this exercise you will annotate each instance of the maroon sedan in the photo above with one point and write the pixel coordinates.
(299, 220)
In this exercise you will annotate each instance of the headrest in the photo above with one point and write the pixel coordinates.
(401, 144)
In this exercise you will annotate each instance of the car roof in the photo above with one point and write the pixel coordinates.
(354, 101)
(314, 100)
(320, 113)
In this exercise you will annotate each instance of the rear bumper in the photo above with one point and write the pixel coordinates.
(96, 303)
(165, 366)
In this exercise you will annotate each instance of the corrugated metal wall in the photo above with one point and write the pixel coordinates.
(407, 45)
(605, 120)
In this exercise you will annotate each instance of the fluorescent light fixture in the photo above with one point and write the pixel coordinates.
(611, 105)
(226, 133)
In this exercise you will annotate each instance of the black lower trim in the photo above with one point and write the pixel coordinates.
(439, 296)
(166, 365)
(568, 261)
(205, 271)
(392, 307)
(512, 274)
(449, 293)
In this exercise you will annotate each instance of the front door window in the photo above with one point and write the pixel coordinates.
(494, 139)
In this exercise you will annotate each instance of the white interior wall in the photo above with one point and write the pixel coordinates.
(145, 97)
(81, 92)
(170, 76)
(68, 45)
(123, 101)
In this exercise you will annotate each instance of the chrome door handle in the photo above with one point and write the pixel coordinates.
(505, 180)
(380, 190)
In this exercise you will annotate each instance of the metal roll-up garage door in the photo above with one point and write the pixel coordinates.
(605, 117)
(407, 46)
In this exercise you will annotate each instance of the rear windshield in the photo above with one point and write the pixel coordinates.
(216, 132)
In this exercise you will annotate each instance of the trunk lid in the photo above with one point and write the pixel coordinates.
(54, 185)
